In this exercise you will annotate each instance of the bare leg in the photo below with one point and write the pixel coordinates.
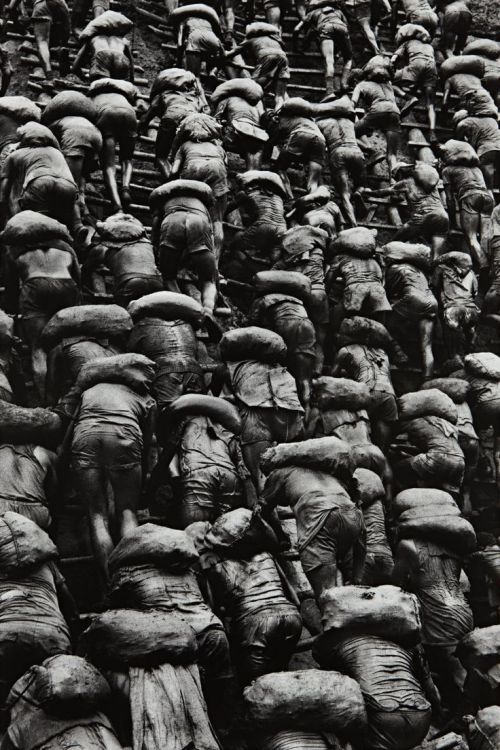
(280, 95)
(251, 455)
(209, 295)
(273, 16)
(109, 171)
(301, 367)
(126, 484)
(32, 329)
(489, 174)
(344, 188)
(426, 329)
(321, 334)
(431, 110)
(392, 139)
(41, 30)
(91, 488)
(314, 176)
(470, 224)
(369, 34)
(218, 218)
(327, 49)
(323, 577)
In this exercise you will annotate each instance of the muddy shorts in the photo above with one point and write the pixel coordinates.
(204, 42)
(386, 122)
(435, 469)
(107, 63)
(334, 540)
(214, 658)
(54, 14)
(78, 142)
(209, 492)
(273, 66)
(186, 231)
(304, 146)
(402, 729)
(384, 407)
(367, 297)
(416, 306)
(432, 223)
(460, 316)
(457, 20)
(270, 425)
(114, 447)
(119, 123)
(421, 73)
(266, 640)
(36, 512)
(318, 308)
(480, 202)
(128, 289)
(211, 171)
(299, 336)
(378, 569)
(42, 297)
(339, 35)
(350, 159)
(54, 196)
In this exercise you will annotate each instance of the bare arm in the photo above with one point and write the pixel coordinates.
(154, 110)
(79, 59)
(130, 58)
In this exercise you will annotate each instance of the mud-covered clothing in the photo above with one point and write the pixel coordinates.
(387, 675)
(286, 316)
(265, 626)
(263, 216)
(206, 162)
(172, 344)
(78, 137)
(35, 172)
(235, 109)
(457, 294)
(492, 298)
(343, 150)
(32, 627)
(441, 461)
(421, 202)
(409, 293)
(110, 425)
(300, 139)
(198, 36)
(483, 135)
(133, 267)
(77, 351)
(328, 522)
(38, 730)
(379, 562)
(314, 269)
(172, 107)
(367, 365)
(469, 188)
(115, 116)
(330, 23)
(421, 64)
(462, 83)
(186, 231)
(149, 587)
(446, 615)
(211, 467)
(362, 279)
(378, 97)
(269, 58)
(23, 482)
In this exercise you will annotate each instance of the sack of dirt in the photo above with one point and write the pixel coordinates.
(115, 86)
(20, 108)
(365, 332)
(484, 47)
(119, 228)
(384, 611)
(480, 649)
(176, 188)
(323, 454)
(485, 365)
(261, 28)
(452, 532)
(455, 388)
(466, 64)
(368, 487)
(312, 699)
(358, 241)
(195, 10)
(409, 31)
(121, 638)
(425, 512)
(135, 371)
(22, 424)
(94, 321)
(28, 228)
(283, 282)
(197, 127)
(427, 403)
(173, 79)
(244, 88)
(418, 497)
(167, 548)
(23, 544)
(109, 23)
(196, 404)
(68, 686)
(261, 178)
(298, 740)
(69, 104)
(340, 393)
(253, 343)
(242, 533)
(483, 731)
(167, 306)
(413, 253)
(298, 107)
(459, 154)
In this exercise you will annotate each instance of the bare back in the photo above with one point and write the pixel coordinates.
(50, 264)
